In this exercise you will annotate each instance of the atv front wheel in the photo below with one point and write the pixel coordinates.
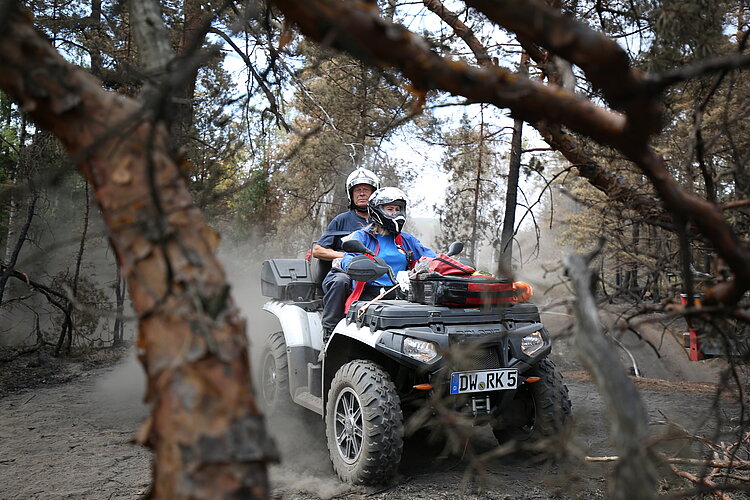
(364, 424)
(274, 374)
(539, 410)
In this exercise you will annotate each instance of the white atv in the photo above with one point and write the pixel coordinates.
(390, 358)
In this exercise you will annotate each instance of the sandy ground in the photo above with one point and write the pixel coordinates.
(73, 439)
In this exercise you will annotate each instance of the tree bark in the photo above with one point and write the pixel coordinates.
(473, 239)
(94, 30)
(13, 202)
(152, 40)
(205, 429)
(193, 35)
(460, 29)
(511, 199)
(633, 287)
(118, 330)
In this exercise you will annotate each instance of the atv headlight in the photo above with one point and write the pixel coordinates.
(419, 349)
(532, 343)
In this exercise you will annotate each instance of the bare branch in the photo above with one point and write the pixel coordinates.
(634, 478)
(356, 28)
(463, 31)
(273, 106)
(656, 84)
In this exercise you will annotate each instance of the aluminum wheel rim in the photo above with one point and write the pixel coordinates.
(348, 425)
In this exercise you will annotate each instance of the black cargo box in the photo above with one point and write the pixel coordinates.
(287, 279)
(400, 314)
(386, 314)
(460, 291)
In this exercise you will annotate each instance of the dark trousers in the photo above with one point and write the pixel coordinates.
(336, 288)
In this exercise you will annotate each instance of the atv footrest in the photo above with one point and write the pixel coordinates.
(314, 403)
(313, 379)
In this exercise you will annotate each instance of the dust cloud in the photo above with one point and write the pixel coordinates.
(122, 392)
(299, 434)
(304, 465)
(243, 274)
(539, 263)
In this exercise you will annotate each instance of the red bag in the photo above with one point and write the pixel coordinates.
(448, 266)
(461, 291)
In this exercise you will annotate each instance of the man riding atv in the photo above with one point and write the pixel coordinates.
(360, 184)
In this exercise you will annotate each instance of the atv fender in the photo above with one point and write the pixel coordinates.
(359, 333)
(301, 328)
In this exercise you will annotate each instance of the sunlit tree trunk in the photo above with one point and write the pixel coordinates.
(205, 429)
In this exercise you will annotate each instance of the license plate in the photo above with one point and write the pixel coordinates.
(484, 380)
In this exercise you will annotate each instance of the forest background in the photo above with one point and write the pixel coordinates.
(638, 150)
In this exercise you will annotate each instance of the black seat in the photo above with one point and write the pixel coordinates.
(319, 269)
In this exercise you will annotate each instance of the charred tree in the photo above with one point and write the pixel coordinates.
(16, 250)
(65, 340)
(514, 169)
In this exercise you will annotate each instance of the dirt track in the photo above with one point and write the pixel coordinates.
(72, 441)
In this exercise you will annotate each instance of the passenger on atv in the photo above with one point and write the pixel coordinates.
(384, 238)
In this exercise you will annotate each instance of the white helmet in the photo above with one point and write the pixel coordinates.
(360, 176)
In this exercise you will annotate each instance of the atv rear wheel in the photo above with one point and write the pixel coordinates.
(539, 410)
(274, 374)
(364, 424)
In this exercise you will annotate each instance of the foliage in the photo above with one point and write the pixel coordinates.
(473, 203)
(343, 111)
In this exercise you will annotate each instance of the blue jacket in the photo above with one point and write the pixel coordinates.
(409, 243)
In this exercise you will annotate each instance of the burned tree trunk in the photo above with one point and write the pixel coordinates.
(66, 334)
(511, 197)
(21, 239)
(205, 429)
